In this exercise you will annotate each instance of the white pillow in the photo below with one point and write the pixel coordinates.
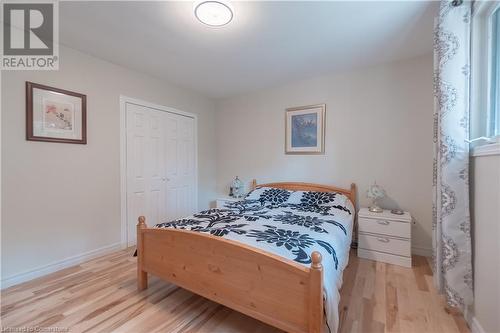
(255, 194)
(317, 198)
(270, 195)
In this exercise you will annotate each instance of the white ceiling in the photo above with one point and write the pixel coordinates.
(266, 44)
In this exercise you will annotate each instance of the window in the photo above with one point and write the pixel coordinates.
(493, 116)
(485, 70)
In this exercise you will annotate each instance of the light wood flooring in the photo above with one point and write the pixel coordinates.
(100, 296)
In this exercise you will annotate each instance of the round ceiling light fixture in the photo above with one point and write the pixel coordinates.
(213, 13)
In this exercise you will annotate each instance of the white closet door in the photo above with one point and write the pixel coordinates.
(161, 170)
(146, 176)
(180, 162)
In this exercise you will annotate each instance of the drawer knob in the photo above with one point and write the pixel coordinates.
(383, 240)
(383, 222)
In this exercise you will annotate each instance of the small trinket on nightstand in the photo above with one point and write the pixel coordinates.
(397, 211)
(375, 192)
(236, 188)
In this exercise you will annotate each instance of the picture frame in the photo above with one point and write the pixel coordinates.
(305, 129)
(55, 115)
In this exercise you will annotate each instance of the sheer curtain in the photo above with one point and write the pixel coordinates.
(452, 259)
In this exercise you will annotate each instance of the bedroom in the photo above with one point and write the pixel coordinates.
(326, 93)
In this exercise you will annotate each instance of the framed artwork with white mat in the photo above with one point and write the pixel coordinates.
(55, 115)
(305, 129)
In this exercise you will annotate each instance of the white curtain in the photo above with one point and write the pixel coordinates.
(452, 259)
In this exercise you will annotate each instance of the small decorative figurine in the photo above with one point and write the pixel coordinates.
(236, 188)
(375, 192)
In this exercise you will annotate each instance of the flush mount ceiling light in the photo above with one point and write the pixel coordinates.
(213, 13)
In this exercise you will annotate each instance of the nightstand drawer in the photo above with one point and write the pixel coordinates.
(401, 247)
(385, 227)
(384, 257)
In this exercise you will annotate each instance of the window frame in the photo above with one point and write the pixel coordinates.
(482, 54)
(493, 125)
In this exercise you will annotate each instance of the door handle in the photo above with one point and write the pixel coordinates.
(383, 240)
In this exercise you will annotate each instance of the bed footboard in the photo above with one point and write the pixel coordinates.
(267, 287)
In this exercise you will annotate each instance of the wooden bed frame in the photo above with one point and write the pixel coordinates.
(270, 288)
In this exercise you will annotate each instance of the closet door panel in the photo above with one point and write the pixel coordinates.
(180, 166)
(160, 166)
(145, 167)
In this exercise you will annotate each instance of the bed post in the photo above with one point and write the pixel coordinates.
(353, 194)
(142, 276)
(316, 294)
(253, 185)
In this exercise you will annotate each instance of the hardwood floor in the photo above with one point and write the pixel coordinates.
(101, 296)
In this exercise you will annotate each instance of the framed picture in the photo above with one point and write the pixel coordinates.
(305, 130)
(55, 115)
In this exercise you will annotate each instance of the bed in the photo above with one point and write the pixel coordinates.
(277, 256)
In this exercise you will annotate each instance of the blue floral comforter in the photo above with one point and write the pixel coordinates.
(291, 230)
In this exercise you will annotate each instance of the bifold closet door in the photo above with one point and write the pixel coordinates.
(180, 166)
(160, 166)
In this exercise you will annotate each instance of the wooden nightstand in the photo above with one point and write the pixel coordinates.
(385, 237)
(220, 202)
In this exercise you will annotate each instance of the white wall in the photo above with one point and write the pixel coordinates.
(485, 186)
(379, 127)
(62, 200)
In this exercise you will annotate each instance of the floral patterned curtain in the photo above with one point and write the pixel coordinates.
(451, 221)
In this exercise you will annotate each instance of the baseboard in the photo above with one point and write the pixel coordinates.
(421, 251)
(57, 265)
(475, 327)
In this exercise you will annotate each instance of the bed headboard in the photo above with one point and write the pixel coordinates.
(298, 186)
